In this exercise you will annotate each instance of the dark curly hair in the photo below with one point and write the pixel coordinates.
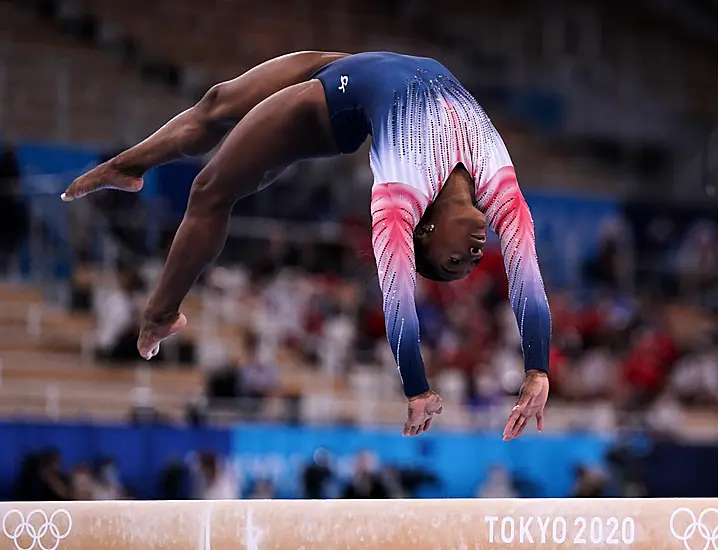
(424, 266)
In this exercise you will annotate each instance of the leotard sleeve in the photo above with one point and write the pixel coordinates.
(509, 216)
(396, 210)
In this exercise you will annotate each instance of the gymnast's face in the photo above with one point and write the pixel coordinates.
(448, 247)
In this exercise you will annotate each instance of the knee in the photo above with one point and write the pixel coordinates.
(208, 196)
(210, 107)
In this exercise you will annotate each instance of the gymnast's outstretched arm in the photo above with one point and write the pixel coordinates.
(509, 216)
(396, 209)
(200, 128)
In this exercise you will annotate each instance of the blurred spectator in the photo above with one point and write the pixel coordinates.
(407, 481)
(663, 418)
(81, 286)
(612, 267)
(593, 376)
(624, 461)
(107, 483)
(212, 479)
(263, 489)
(224, 386)
(366, 481)
(14, 217)
(498, 484)
(646, 366)
(286, 300)
(694, 379)
(117, 311)
(697, 261)
(335, 342)
(27, 483)
(317, 476)
(82, 484)
(53, 483)
(258, 376)
(589, 483)
(172, 481)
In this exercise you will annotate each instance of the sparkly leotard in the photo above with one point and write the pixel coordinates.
(424, 123)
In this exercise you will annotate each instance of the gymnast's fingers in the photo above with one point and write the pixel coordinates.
(518, 430)
(427, 425)
(407, 430)
(539, 420)
(513, 419)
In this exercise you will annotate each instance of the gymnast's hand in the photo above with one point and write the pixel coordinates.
(531, 402)
(153, 331)
(422, 408)
(103, 176)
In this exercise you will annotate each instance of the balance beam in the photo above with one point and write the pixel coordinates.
(636, 524)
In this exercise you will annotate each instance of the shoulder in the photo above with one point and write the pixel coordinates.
(398, 196)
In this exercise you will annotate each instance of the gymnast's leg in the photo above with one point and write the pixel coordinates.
(289, 126)
(200, 128)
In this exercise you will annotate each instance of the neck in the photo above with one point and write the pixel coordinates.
(458, 190)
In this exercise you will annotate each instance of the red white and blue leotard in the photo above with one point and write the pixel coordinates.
(424, 123)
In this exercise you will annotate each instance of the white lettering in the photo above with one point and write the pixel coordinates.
(628, 531)
(538, 530)
(510, 522)
(613, 529)
(544, 528)
(581, 524)
(559, 533)
(491, 520)
(596, 531)
(524, 533)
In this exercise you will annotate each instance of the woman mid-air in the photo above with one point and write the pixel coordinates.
(441, 175)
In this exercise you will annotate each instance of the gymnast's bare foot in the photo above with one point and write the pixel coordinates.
(153, 331)
(104, 176)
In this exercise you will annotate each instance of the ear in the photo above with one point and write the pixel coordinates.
(423, 230)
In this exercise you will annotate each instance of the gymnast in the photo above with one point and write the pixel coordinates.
(442, 174)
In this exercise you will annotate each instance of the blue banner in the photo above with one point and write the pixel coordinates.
(567, 232)
(459, 460)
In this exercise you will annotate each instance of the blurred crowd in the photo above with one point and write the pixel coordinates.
(636, 332)
(42, 478)
(206, 476)
(610, 343)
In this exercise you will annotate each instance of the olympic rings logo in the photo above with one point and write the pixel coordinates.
(696, 525)
(36, 534)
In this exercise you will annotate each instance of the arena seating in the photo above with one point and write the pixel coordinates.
(52, 88)
(623, 48)
(47, 367)
(226, 38)
(43, 370)
(114, 104)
